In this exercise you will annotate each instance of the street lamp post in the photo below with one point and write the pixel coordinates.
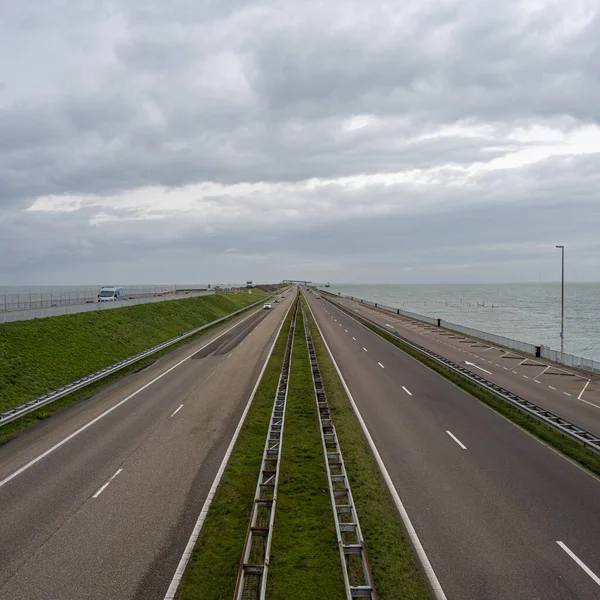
(562, 301)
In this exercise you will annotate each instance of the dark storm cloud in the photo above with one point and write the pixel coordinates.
(105, 99)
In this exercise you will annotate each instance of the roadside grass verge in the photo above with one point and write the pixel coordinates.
(212, 571)
(305, 560)
(395, 570)
(41, 355)
(584, 456)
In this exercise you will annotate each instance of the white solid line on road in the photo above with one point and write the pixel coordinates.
(117, 405)
(552, 388)
(176, 411)
(566, 393)
(456, 440)
(434, 582)
(474, 365)
(187, 553)
(365, 349)
(353, 338)
(588, 571)
(583, 390)
(381, 365)
(106, 484)
(407, 391)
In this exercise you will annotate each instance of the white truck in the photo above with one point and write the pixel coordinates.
(110, 294)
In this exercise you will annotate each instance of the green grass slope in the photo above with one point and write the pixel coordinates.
(43, 354)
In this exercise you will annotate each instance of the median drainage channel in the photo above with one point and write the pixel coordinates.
(358, 579)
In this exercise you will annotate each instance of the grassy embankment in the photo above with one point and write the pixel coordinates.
(304, 557)
(41, 355)
(393, 563)
(570, 448)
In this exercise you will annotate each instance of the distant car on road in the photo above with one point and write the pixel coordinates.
(110, 294)
(267, 306)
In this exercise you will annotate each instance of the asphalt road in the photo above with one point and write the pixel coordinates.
(107, 514)
(489, 502)
(566, 392)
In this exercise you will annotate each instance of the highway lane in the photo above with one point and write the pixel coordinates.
(488, 501)
(108, 513)
(558, 389)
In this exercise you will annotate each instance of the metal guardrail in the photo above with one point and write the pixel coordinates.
(358, 579)
(24, 409)
(584, 437)
(564, 358)
(252, 574)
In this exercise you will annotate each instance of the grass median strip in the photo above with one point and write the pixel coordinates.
(213, 567)
(584, 456)
(395, 571)
(305, 561)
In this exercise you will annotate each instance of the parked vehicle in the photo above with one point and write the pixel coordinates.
(110, 294)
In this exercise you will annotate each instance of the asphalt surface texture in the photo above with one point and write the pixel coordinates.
(569, 393)
(499, 514)
(107, 509)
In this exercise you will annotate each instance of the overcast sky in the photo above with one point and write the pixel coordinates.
(178, 141)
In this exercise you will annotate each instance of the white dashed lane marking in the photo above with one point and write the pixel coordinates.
(456, 440)
(106, 484)
(176, 411)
